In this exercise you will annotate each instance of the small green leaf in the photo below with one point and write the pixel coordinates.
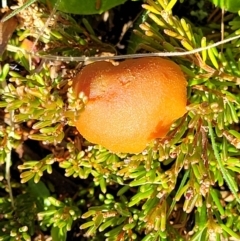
(105, 225)
(170, 5)
(99, 220)
(229, 5)
(114, 232)
(215, 197)
(39, 189)
(55, 202)
(4, 72)
(26, 237)
(213, 58)
(230, 232)
(103, 186)
(87, 225)
(37, 177)
(235, 133)
(122, 190)
(47, 213)
(88, 214)
(41, 124)
(26, 176)
(203, 45)
(57, 235)
(122, 210)
(129, 226)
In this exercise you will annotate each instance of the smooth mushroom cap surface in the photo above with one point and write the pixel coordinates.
(130, 104)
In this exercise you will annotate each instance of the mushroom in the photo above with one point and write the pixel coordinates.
(130, 104)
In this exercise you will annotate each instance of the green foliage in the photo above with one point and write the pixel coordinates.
(182, 187)
(36, 169)
(86, 7)
(60, 215)
(229, 5)
(36, 204)
(73, 6)
(18, 224)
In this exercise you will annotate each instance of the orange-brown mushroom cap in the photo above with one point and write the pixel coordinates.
(130, 104)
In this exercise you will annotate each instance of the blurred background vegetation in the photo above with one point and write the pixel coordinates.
(57, 186)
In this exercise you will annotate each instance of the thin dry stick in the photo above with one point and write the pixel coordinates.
(117, 57)
(222, 28)
(127, 56)
(8, 158)
(131, 56)
(8, 161)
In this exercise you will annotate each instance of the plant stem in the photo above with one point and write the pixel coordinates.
(226, 175)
